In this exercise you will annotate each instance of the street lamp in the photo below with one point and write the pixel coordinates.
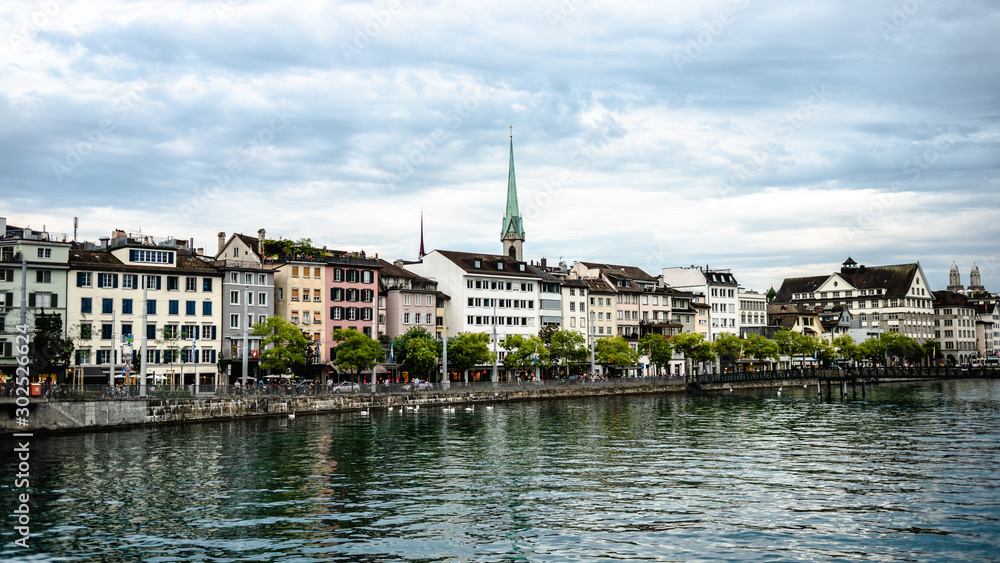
(592, 338)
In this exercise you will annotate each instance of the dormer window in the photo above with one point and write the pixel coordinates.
(477, 264)
(521, 267)
(499, 265)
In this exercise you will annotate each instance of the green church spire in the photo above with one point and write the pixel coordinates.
(512, 227)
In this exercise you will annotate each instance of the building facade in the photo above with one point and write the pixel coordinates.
(108, 286)
(720, 289)
(406, 300)
(46, 261)
(247, 299)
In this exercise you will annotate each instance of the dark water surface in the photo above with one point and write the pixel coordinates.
(911, 474)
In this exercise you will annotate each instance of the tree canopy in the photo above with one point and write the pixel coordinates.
(524, 352)
(657, 348)
(283, 347)
(568, 347)
(694, 346)
(355, 351)
(416, 351)
(727, 347)
(467, 350)
(49, 352)
(613, 352)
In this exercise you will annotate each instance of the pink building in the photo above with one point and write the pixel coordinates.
(406, 300)
(352, 292)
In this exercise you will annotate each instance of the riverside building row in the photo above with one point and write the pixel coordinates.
(199, 308)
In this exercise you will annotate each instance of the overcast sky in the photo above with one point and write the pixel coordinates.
(775, 139)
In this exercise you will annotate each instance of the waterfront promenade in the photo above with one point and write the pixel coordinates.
(95, 407)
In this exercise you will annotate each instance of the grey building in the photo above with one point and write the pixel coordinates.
(247, 299)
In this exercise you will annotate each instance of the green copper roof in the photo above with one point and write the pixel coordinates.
(512, 220)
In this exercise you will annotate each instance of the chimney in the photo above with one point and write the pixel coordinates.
(544, 262)
(260, 242)
(201, 252)
(398, 263)
(104, 243)
(222, 241)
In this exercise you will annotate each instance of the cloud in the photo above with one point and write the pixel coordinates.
(755, 136)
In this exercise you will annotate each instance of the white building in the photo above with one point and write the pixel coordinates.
(183, 295)
(720, 290)
(492, 294)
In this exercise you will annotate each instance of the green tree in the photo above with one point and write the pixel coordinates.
(694, 347)
(524, 352)
(727, 347)
(760, 348)
(355, 351)
(567, 347)
(932, 352)
(658, 349)
(467, 350)
(614, 353)
(785, 339)
(546, 332)
(846, 347)
(873, 349)
(824, 351)
(49, 352)
(416, 351)
(284, 346)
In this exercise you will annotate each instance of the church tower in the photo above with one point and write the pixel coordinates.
(975, 282)
(512, 231)
(954, 279)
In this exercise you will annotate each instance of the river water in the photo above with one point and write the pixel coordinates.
(910, 474)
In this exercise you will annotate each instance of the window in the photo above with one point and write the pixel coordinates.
(150, 332)
(206, 284)
(107, 280)
(352, 276)
(234, 320)
(281, 294)
(173, 307)
(337, 313)
(82, 279)
(353, 294)
(234, 297)
(305, 272)
(406, 299)
(428, 319)
(336, 294)
(367, 276)
(233, 277)
(106, 331)
(43, 276)
(107, 305)
(189, 308)
(130, 281)
(352, 313)
(338, 274)
(126, 306)
(172, 283)
(151, 306)
(86, 331)
(126, 329)
(151, 256)
(190, 284)
(305, 295)
(406, 318)
(262, 298)
(295, 271)
(316, 273)
(295, 294)
(366, 314)
(45, 253)
(261, 279)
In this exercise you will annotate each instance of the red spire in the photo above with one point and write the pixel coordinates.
(422, 253)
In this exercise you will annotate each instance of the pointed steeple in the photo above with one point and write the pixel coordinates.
(512, 230)
(422, 253)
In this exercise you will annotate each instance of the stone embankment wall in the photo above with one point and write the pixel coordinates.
(45, 415)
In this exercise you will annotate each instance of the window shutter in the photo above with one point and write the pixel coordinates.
(55, 300)
(213, 334)
(213, 356)
(158, 286)
(197, 332)
(79, 281)
(9, 302)
(31, 300)
(156, 356)
(114, 280)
